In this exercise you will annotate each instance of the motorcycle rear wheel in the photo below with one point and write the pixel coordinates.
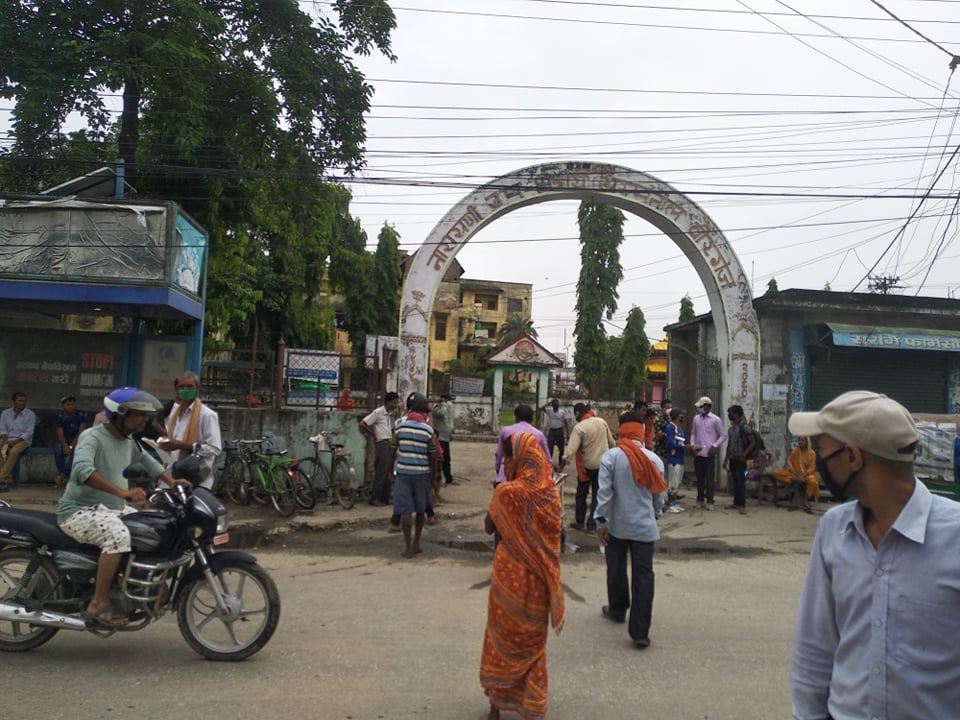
(253, 604)
(20, 637)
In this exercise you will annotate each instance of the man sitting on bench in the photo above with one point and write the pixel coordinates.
(16, 435)
(801, 472)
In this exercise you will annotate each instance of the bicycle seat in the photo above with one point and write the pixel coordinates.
(275, 452)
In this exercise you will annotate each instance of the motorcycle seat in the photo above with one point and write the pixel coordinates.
(42, 526)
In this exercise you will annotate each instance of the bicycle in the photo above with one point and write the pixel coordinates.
(238, 457)
(274, 478)
(338, 480)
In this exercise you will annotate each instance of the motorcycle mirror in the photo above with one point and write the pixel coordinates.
(136, 471)
(186, 469)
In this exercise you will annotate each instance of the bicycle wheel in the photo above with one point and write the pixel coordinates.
(282, 494)
(306, 494)
(235, 478)
(259, 481)
(342, 482)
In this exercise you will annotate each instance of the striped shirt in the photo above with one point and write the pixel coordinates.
(415, 443)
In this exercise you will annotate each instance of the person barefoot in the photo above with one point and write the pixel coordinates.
(415, 456)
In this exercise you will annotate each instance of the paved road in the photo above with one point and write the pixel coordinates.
(366, 635)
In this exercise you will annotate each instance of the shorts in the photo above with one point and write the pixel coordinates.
(410, 493)
(100, 526)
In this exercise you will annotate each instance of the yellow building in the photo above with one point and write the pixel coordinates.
(468, 314)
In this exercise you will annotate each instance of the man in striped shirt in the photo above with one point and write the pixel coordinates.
(415, 457)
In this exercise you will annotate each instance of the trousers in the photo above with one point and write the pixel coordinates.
(637, 596)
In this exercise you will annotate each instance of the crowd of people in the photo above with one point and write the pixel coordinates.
(880, 564)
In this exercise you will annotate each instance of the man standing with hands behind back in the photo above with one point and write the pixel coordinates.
(706, 437)
(879, 613)
(192, 426)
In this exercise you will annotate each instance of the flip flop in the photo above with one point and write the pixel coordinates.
(104, 618)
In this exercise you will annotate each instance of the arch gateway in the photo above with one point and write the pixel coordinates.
(682, 220)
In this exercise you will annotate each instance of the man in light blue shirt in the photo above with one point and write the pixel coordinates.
(630, 495)
(17, 424)
(879, 616)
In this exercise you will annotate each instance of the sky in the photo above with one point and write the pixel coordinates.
(818, 135)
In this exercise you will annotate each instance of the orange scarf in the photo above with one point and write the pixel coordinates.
(578, 457)
(192, 432)
(645, 473)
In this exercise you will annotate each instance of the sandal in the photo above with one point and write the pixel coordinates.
(104, 618)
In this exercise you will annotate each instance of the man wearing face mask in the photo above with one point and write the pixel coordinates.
(706, 437)
(191, 427)
(879, 613)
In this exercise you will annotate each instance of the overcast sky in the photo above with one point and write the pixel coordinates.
(755, 111)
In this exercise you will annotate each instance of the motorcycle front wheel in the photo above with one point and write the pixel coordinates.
(252, 613)
(19, 637)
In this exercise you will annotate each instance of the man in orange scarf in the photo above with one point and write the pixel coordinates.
(589, 440)
(630, 499)
(192, 427)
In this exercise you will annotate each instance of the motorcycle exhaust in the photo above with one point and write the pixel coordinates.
(15, 613)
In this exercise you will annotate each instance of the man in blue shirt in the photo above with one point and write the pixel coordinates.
(17, 424)
(630, 495)
(69, 424)
(879, 614)
(415, 457)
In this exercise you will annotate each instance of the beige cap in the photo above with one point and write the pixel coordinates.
(703, 401)
(867, 420)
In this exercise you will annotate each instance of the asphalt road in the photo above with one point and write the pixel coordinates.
(365, 634)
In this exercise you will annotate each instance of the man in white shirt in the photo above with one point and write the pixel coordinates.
(379, 426)
(192, 427)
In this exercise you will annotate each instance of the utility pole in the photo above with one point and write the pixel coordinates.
(884, 284)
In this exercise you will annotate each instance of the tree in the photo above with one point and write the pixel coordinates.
(687, 312)
(772, 288)
(234, 108)
(388, 277)
(516, 327)
(601, 232)
(634, 353)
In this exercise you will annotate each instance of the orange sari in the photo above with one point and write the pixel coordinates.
(525, 590)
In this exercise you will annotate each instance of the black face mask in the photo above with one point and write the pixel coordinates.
(836, 489)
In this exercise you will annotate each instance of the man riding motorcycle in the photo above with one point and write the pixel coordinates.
(97, 494)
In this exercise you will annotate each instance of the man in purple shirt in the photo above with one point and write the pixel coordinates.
(706, 437)
(523, 414)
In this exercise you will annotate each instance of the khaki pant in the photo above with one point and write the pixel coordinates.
(14, 449)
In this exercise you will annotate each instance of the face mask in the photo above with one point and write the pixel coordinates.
(836, 489)
(701, 411)
(187, 394)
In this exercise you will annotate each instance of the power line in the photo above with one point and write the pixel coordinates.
(953, 58)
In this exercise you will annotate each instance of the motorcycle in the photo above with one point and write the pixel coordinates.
(227, 606)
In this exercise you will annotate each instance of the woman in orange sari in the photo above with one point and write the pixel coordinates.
(802, 470)
(525, 591)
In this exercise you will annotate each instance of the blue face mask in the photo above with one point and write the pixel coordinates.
(701, 411)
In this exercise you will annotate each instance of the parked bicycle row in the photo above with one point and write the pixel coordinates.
(256, 470)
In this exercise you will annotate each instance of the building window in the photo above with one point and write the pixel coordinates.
(489, 302)
(440, 326)
(486, 330)
(514, 305)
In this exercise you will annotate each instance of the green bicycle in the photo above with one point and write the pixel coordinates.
(275, 478)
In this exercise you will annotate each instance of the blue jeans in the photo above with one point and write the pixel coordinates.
(638, 595)
(64, 463)
(738, 478)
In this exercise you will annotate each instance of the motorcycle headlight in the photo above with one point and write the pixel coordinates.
(221, 523)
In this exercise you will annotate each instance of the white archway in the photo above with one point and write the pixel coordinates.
(728, 290)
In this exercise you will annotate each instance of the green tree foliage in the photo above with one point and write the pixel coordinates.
(601, 232)
(634, 354)
(233, 108)
(687, 312)
(389, 277)
(516, 327)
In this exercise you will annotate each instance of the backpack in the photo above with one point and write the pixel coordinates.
(758, 445)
